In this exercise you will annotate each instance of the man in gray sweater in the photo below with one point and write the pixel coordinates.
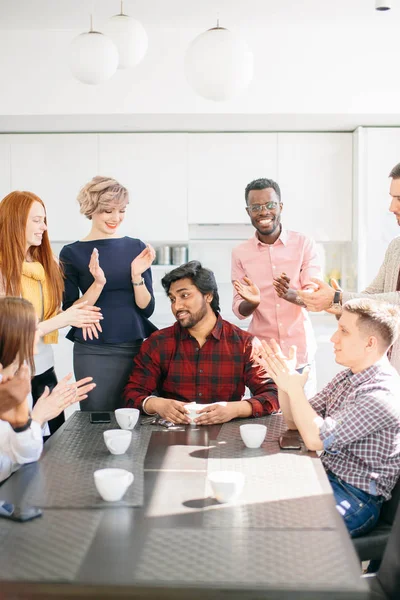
(385, 286)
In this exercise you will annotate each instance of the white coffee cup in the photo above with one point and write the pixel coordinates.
(127, 417)
(253, 434)
(112, 483)
(117, 440)
(226, 485)
(192, 409)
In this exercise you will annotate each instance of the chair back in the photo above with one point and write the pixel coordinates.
(389, 508)
(389, 572)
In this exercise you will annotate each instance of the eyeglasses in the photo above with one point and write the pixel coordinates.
(255, 209)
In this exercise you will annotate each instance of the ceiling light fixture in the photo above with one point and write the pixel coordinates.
(130, 38)
(381, 5)
(93, 57)
(218, 64)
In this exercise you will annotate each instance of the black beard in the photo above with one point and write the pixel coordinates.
(196, 318)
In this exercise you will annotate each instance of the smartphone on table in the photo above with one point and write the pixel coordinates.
(289, 442)
(19, 513)
(100, 417)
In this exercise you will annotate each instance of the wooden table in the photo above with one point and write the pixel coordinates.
(283, 538)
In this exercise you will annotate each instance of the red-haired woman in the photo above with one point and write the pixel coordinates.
(29, 269)
(21, 438)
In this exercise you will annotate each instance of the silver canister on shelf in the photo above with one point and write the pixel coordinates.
(179, 255)
(163, 255)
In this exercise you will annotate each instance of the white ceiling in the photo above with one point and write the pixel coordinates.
(73, 14)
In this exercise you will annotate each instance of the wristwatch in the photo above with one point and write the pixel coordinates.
(141, 282)
(336, 304)
(22, 428)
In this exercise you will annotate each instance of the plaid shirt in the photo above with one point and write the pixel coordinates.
(171, 364)
(360, 427)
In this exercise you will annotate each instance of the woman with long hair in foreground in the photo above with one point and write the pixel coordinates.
(21, 438)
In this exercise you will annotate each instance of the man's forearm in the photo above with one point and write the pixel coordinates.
(305, 417)
(292, 297)
(243, 409)
(150, 405)
(247, 308)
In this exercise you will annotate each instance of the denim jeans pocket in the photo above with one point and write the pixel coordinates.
(359, 509)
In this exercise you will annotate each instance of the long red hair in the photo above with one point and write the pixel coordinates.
(14, 210)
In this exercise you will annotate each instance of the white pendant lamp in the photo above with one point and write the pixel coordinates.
(93, 57)
(218, 64)
(130, 38)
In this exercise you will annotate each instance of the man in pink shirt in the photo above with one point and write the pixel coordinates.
(272, 251)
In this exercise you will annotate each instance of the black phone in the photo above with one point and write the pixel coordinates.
(289, 442)
(100, 417)
(19, 513)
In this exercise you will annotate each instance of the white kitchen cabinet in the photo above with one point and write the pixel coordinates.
(5, 166)
(220, 165)
(55, 167)
(153, 168)
(377, 151)
(315, 177)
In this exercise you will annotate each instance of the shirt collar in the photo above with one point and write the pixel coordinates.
(369, 372)
(216, 331)
(281, 239)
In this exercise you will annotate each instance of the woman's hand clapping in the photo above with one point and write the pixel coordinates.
(143, 261)
(50, 405)
(96, 270)
(85, 316)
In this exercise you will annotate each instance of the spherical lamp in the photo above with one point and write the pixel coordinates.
(130, 38)
(93, 57)
(218, 64)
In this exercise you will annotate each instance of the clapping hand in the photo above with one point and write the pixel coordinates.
(143, 261)
(14, 391)
(95, 269)
(248, 291)
(281, 285)
(280, 368)
(85, 316)
(51, 404)
(321, 298)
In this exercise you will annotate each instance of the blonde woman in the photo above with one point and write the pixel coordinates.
(28, 268)
(114, 272)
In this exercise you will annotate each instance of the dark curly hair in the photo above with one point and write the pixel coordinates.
(202, 278)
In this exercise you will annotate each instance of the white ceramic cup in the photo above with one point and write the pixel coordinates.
(226, 485)
(253, 434)
(112, 483)
(192, 410)
(117, 440)
(127, 417)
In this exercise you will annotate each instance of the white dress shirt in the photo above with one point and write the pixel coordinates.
(18, 448)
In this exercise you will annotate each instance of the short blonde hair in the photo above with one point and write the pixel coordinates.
(376, 318)
(99, 193)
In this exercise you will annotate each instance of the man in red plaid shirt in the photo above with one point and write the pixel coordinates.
(355, 419)
(202, 358)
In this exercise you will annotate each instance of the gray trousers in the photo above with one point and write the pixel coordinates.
(110, 366)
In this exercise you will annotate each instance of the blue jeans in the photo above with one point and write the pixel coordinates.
(359, 509)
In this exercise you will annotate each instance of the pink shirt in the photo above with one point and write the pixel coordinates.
(296, 255)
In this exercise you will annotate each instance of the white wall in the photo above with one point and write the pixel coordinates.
(299, 68)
